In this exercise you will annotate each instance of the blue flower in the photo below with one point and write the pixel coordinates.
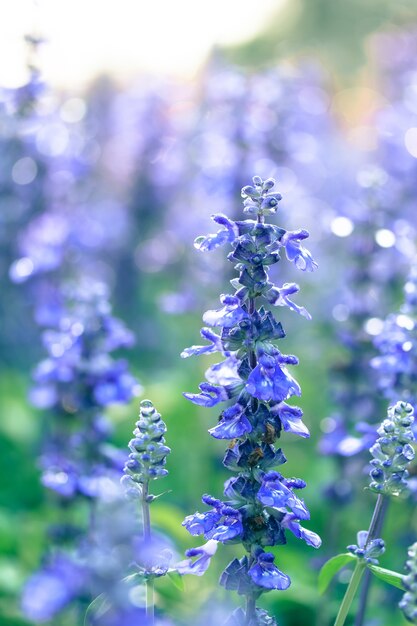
(295, 252)
(223, 523)
(201, 523)
(233, 424)
(275, 494)
(290, 522)
(229, 529)
(269, 381)
(214, 346)
(254, 374)
(52, 588)
(278, 296)
(210, 395)
(265, 573)
(226, 375)
(230, 315)
(290, 418)
(228, 234)
(198, 567)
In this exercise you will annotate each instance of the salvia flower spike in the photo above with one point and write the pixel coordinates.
(146, 462)
(392, 454)
(408, 603)
(393, 451)
(260, 505)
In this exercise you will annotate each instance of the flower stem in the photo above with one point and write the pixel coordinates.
(350, 593)
(377, 518)
(250, 609)
(150, 602)
(363, 599)
(374, 528)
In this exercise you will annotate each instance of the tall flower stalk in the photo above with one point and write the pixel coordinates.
(261, 504)
(73, 386)
(408, 603)
(146, 463)
(392, 453)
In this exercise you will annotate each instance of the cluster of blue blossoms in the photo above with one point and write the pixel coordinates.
(77, 381)
(396, 364)
(260, 505)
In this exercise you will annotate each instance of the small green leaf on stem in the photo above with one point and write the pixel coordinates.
(331, 567)
(392, 578)
(98, 607)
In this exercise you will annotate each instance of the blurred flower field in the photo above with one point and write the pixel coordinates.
(106, 267)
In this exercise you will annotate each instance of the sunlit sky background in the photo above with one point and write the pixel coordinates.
(122, 37)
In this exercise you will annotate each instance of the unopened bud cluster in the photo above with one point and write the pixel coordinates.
(408, 603)
(148, 451)
(369, 551)
(393, 451)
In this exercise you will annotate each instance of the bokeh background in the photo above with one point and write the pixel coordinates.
(123, 127)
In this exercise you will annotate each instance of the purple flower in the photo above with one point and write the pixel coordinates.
(229, 529)
(214, 346)
(290, 522)
(233, 424)
(265, 574)
(296, 252)
(274, 493)
(227, 317)
(278, 296)
(222, 523)
(200, 565)
(228, 234)
(225, 374)
(52, 588)
(290, 418)
(62, 481)
(269, 381)
(201, 523)
(210, 395)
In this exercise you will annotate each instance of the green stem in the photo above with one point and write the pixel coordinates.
(250, 609)
(379, 512)
(150, 600)
(363, 599)
(374, 528)
(350, 593)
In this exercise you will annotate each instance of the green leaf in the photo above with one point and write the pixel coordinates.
(330, 568)
(176, 579)
(137, 577)
(392, 578)
(99, 606)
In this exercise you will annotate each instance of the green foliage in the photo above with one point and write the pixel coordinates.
(331, 567)
(388, 576)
